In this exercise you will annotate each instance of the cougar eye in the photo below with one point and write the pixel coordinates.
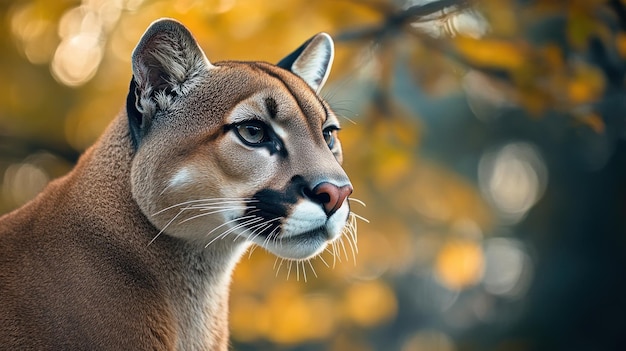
(329, 136)
(252, 132)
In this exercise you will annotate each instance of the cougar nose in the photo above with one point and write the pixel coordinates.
(330, 196)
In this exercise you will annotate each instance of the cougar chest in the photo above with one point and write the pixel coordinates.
(199, 296)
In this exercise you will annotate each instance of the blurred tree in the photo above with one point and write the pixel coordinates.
(486, 138)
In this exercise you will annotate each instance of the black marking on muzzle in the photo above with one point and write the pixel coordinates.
(275, 203)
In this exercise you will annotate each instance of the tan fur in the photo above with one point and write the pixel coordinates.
(110, 257)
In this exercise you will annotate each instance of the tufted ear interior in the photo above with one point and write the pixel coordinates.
(312, 60)
(165, 63)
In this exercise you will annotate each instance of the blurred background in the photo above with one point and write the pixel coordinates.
(486, 138)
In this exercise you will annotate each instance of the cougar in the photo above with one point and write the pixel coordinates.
(134, 249)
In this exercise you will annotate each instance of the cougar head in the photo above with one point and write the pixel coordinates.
(238, 151)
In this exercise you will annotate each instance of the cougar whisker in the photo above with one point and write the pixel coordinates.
(323, 260)
(289, 269)
(282, 260)
(165, 227)
(343, 246)
(348, 119)
(361, 217)
(254, 235)
(207, 201)
(352, 247)
(350, 229)
(334, 253)
(242, 225)
(312, 269)
(358, 201)
(297, 271)
(258, 229)
(229, 222)
(302, 262)
(208, 213)
(225, 233)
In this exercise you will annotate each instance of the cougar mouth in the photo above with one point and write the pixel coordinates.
(299, 246)
(293, 227)
(319, 232)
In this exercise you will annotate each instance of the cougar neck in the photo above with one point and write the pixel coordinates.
(195, 279)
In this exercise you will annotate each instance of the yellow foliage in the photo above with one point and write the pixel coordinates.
(503, 16)
(392, 149)
(285, 315)
(393, 165)
(535, 100)
(294, 317)
(460, 264)
(593, 121)
(383, 240)
(324, 319)
(553, 56)
(349, 343)
(450, 198)
(290, 320)
(580, 26)
(492, 52)
(585, 85)
(249, 318)
(370, 303)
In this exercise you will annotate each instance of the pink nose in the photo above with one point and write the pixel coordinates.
(331, 196)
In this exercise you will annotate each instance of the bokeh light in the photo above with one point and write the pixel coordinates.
(83, 31)
(513, 178)
(22, 182)
(460, 264)
(508, 269)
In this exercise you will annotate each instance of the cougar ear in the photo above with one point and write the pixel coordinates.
(165, 63)
(312, 60)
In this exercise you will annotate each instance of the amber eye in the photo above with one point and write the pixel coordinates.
(253, 132)
(329, 136)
